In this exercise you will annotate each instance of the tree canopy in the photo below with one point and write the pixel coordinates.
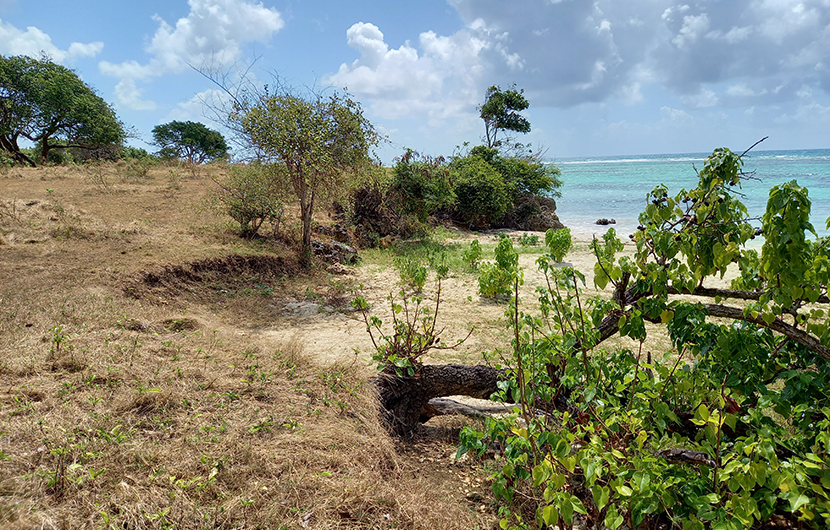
(49, 105)
(318, 140)
(189, 140)
(500, 112)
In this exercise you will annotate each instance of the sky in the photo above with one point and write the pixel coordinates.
(603, 78)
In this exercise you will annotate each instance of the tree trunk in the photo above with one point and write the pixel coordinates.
(9, 144)
(405, 399)
(306, 211)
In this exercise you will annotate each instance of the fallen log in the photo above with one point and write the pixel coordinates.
(405, 399)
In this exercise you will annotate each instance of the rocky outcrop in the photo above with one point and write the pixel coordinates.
(334, 252)
(533, 213)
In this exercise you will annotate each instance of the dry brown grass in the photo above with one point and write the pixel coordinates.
(135, 393)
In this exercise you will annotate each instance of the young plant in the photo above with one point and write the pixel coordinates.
(472, 256)
(496, 280)
(414, 331)
(559, 242)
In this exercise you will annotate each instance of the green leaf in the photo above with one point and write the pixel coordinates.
(797, 501)
(567, 511)
(625, 491)
(641, 480)
(613, 519)
(578, 506)
(541, 473)
(601, 495)
(550, 515)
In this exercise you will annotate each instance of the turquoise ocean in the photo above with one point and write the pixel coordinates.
(615, 187)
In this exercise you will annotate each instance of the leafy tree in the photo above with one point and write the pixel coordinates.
(50, 106)
(319, 140)
(500, 112)
(189, 140)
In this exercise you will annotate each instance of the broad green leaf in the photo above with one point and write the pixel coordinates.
(613, 519)
(601, 495)
(550, 515)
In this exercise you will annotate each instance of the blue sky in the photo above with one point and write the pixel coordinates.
(607, 77)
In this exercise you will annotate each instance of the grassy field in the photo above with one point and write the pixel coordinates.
(152, 375)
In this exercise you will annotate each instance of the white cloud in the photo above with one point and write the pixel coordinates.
(693, 27)
(676, 115)
(740, 90)
(76, 49)
(440, 80)
(33, 42)
(211, 35)
(198, 107)
(129, 95)
(704, 98)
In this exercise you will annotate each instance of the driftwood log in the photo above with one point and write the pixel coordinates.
(405, 400)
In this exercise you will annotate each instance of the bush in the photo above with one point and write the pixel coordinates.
(251, 195)
(559, 242)
(412, 272)
(482, 195)
(472, 256)
(422, 185)
(528, 240)
(524, 175)
(499, 279)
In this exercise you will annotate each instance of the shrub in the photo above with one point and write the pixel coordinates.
(472, 256)
(498, 279)
(482, 195)
(730, 429)
(524, 175)
(251, 195)
(528, 240)
(422, 185)
(559, 242)
(412, 272)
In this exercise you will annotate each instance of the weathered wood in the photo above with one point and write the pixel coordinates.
(444, 406)
(404, 398)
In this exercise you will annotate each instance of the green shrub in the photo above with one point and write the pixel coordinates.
(251, 195)
(134, 153)
(472, 256)
(482, 195)
(559, 241)
(422, 185)
(413, 273)
(528, 240)
(498, 279)
(730, 429)
(137, 169)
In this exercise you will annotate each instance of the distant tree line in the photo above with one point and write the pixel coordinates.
(48, 114)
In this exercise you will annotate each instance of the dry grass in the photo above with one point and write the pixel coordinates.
(136, 393)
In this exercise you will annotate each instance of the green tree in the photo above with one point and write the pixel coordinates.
(48, 105)
(501, 112)
(319, 140)
(189, 140)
